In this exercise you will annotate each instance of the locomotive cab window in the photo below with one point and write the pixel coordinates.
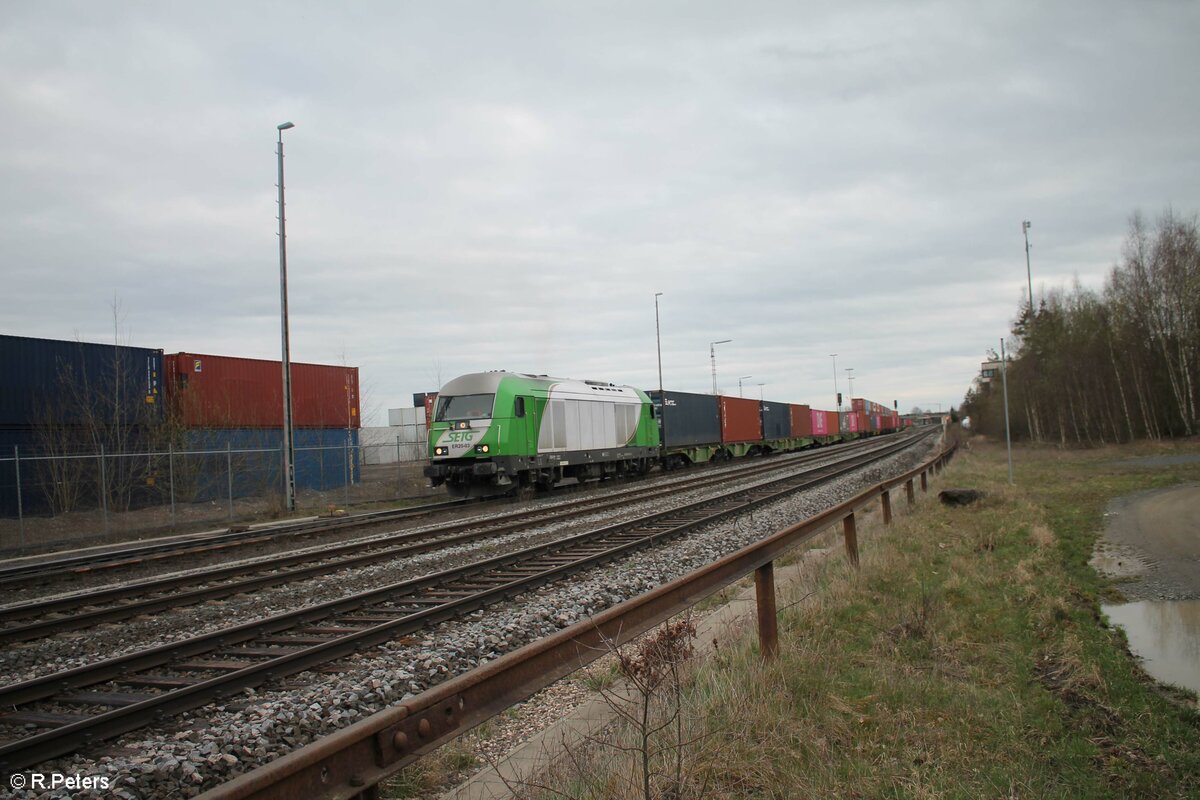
(519, 407)
(464, 406)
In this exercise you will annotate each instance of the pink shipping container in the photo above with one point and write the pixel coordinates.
(209, 391)
(824, 423)
(801, 420)
(852, 420)
(740, 420)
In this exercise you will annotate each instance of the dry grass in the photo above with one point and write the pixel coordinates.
(963, 659)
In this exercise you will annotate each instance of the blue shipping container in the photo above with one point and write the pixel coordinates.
(325, 459)
(46, 381)
(687, 419)
(776, 420)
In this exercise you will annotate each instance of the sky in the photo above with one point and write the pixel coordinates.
(477, 185)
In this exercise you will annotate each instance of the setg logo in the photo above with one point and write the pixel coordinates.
(460, 437)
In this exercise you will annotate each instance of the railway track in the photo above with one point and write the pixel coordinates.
(27, 621)
(122, 694)
(65, 566)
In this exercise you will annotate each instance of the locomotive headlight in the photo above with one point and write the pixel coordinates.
(439, 451)
(482, 448)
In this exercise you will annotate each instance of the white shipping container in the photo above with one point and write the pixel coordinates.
(403, 443)
(406, 416)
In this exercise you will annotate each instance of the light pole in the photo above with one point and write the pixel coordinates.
(850, 379)
(658, 342)
(760, 391)
(289, 470)
(1007, 434)
(837, 396)
(1028, 273)
(744, 377)
(712, 354)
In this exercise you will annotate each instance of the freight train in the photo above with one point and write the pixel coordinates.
(502, 432)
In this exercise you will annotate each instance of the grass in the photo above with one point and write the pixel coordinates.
(966, 658)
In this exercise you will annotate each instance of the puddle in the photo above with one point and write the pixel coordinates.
(1166, 636)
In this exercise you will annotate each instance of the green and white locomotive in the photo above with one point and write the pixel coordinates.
(498, 432)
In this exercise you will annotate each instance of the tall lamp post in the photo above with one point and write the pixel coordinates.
(712, 354)
(658, 342)
(289, 471)
(760, 390)
(744, 377)
(837, 396)
(850, 380)
(1025, 226)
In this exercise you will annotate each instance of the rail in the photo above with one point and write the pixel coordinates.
(351, 762)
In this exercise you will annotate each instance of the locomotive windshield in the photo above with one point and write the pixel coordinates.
(464, 406)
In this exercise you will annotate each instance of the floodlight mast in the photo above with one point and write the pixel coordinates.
(712, 354)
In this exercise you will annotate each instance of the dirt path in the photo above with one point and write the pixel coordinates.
(1152, 540)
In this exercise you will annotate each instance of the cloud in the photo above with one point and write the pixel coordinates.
(473, 186)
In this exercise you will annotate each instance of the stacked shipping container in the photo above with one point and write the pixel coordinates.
(92, 395)
(225, 402)
(74, 383)
(209, 391)
(70, 398)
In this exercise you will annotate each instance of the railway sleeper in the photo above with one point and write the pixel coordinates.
(211, 664)
(300, 640)
(158, 681)
(266, 652)
(114, 699)
(40, 719)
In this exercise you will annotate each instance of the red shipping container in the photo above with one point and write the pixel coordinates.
(209, 391)
(801, 420)
(741, 420)
(858, 404)
(852, 422)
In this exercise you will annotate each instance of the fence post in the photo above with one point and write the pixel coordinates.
(229, 475)
(171, 477)
(924, 481)
(20, 512)
(886, 499)
(850, 534)
(346, 467)
(103, 490)
(908, 491)
(764, 592)
(399, 471)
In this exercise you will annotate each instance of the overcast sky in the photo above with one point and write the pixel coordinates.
(478, 185)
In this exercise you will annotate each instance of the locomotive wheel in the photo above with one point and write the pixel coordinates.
(526, 490)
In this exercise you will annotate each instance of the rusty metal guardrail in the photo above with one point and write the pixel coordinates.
(351, 762)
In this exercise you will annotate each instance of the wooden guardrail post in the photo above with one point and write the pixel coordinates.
(764, 591)
(924, 481)
(886, 500)
(908, 491)
(850, 534)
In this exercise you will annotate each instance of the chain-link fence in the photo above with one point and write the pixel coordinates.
(103, 495)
